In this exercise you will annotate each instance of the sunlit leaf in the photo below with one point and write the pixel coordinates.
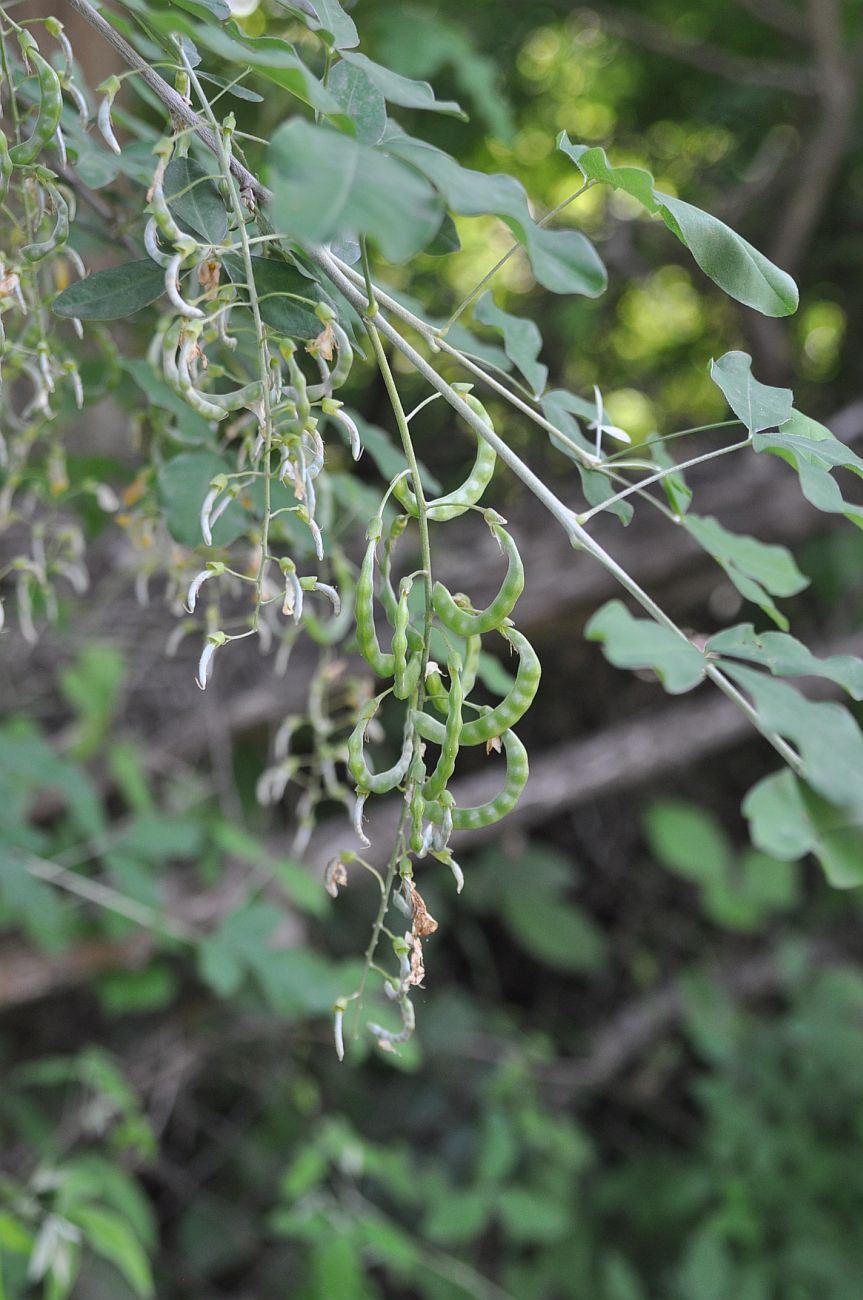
(522, 340)
(403, 91)
(757, 405)
(728, 259)
(563, 261)
(325, 184)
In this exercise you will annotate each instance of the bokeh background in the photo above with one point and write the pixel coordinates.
(637, 1068)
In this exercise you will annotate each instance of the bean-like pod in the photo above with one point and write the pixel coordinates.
(506, 714)
(158, 203)
(36, 252)
(437, 782)
(50, 105)
(172, 289)
(406, 671)
(109, 89)
(6, 166)
(367, 781)
(486, 814)
(367, 638)
(455, 503)
(462, 621)
(417, 804)
(473, 650)
(388, 596)
(214, 406)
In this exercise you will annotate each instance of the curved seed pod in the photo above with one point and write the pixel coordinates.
(358, 819)
(417, 804)
(405, 671)
(50, 105)
(466, 624)
(367, 781)
(367, 638)
(505, 715)
(60, 146)
(388, 596)
(6, 166)
(486, 814)
(462, 498)
(159, 204)
(54, 28)
(214, 405)
(436, 784)
(338, 626)
(60, 233)
(471, 663)
(172, 289)
(109, 89)
(151, 243)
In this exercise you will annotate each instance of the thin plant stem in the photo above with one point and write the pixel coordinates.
(661, 474)
(104, 896)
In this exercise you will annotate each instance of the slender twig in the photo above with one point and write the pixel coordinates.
(661, 474)
(94, 891)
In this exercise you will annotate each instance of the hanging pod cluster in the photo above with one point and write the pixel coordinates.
(440, 713)
(216, 351)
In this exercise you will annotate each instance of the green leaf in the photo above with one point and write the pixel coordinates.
(824, 734)
(522, 340)
(325, 184)
(273, 58)
(403, 91)
(629, 642)
(563, 261)
(92, 686)
(555, 933)
(813, 451)
(532, 1216)
(194, 199)
(337, 29)
(112, 294)
(687, 841)
(108, 1235)
(182, 485)
(280, 286)
(756, 569)
(788, 820)
(784, 656)
(757, 405)
(728, 259)
(456, 1215)
(361, 99)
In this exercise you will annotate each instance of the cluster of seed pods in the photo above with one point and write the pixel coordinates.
(437, 712)
(275, 422)
(38, 373)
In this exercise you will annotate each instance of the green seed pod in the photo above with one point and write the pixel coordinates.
(457, 502)
(50, 105)
(464, 623)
